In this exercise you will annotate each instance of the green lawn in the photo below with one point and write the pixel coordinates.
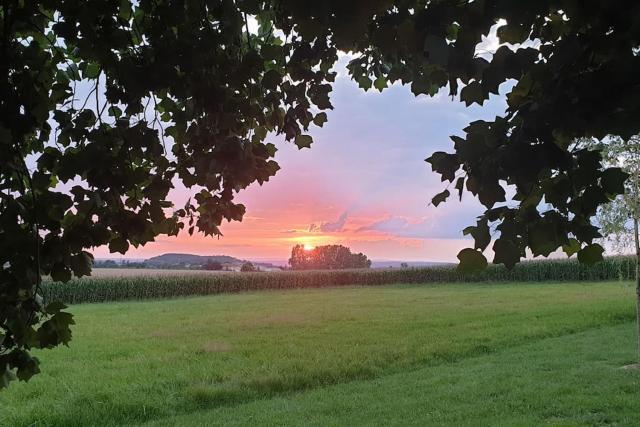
(459, 354)
(568, 380)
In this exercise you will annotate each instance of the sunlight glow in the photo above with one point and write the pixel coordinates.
(308, 247)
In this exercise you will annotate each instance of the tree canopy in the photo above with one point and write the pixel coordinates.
(248, 267)
(212, 265)
(619, 219)
(326, 257)
(106, 105)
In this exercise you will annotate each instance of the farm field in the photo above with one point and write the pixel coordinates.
(475, 354)
(135, 284)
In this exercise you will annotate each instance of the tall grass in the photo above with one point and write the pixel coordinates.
(115, 288)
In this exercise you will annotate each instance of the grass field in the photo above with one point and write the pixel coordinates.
(472, 354)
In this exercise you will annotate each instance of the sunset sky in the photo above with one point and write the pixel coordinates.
(364, 183)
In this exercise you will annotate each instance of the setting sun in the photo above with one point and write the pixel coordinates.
(308, 247)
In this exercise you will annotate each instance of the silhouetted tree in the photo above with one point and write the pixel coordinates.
(329, 257)
(213, 265)
(248, 267)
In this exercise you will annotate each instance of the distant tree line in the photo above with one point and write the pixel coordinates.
(328, 257)
(109, 263)
(212, 265)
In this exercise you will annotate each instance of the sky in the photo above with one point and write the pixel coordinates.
(364, 183)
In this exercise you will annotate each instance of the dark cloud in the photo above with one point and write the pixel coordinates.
(331, 227)
(446, 227)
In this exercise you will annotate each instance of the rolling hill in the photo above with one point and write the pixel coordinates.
(172, 259)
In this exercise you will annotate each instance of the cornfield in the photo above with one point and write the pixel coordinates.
(116, 288)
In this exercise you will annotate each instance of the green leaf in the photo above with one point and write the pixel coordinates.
(72, 72)
(491, 193)
(506, 252)
(445, 164)
(125, 12)
(440, 197)
(260, 133)
(513, 33)
(56, 330)
(92, 71)
(250, 6)
(593, 197)
(81, 264)
(471, 261)
(303, 141)
(421, 85)
(320, 119)
(460, 187)
(452, 31)
(590, 254)
(114, 111)
(271, 79)
(60, 272)
(472, 93)
(27, 367)
(480, 233)
(118, 244)
(271, 52)
(54, 307)
(380, 83)
(364, 82)
(543, 238)
(572, 247)
(613, 180)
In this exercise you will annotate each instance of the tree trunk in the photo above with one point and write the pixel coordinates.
(636, 237)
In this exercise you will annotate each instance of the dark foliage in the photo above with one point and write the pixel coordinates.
(248, 267)
(328, 257)
(212, 265)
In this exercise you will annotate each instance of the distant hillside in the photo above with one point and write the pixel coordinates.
(189, 259)
(196, 262)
